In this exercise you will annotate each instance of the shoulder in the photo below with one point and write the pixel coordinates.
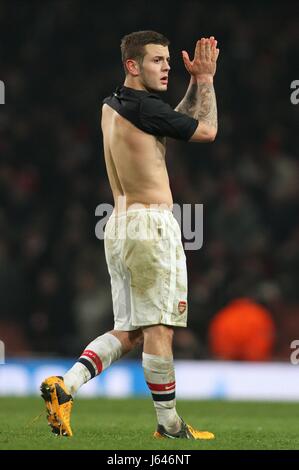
(106, 113)
(104, 110)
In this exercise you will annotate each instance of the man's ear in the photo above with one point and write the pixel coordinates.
(133, 67)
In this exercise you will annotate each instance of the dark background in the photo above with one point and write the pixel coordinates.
(58, 60)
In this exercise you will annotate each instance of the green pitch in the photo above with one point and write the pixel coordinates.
(129, 424)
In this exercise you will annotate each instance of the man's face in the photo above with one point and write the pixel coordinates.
(155, 67)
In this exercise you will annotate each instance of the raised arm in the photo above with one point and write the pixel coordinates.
(200, 99)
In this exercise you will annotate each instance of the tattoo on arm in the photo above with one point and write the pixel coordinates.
(200, 103)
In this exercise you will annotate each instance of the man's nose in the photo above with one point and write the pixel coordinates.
(166, 66)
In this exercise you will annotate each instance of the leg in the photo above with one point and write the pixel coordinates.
(128, 339)
(158, 340)
(58, 391)
(159, 374)
(99, 355)
(160, 377)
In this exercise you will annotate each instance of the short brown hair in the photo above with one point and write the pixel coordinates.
(132, 45)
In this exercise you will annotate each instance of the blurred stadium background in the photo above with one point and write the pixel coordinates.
(59, 59)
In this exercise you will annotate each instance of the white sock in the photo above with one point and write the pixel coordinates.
(160, 377)
(76, 377)
(96, 357)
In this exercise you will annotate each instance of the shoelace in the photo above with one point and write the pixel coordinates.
(34, 420)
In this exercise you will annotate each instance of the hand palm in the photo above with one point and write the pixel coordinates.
(205, 58)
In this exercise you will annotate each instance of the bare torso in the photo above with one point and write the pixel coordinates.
(135, 162)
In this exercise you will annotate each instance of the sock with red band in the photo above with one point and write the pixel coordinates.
(160, 377)
(97, 356)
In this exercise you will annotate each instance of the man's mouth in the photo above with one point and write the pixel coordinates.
(164, 80)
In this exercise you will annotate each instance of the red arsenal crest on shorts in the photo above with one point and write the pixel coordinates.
(182, 306)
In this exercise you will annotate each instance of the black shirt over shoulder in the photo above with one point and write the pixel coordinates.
(150, 114)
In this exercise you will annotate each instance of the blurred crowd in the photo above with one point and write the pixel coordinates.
(59, 59)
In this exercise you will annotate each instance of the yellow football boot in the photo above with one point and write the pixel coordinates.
(186, 432)
(59, 405)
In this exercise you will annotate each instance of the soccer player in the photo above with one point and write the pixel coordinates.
(147, 266)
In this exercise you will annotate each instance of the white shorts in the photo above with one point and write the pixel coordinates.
(147, 266)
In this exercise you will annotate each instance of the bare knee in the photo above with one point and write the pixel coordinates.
(128, 339)
(158, 340)
(158, 331)
(136, 337)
